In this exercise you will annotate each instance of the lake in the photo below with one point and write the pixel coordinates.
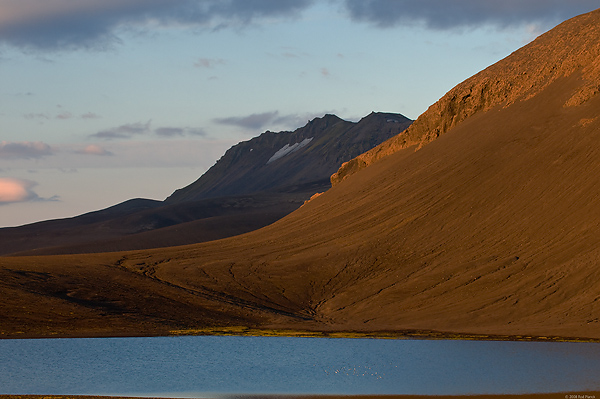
(208, 365)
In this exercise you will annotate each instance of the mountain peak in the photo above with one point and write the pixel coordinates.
(285, 160)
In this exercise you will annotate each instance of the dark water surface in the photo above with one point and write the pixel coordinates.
(197, 366)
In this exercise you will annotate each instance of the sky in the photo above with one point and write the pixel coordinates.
(106, 100)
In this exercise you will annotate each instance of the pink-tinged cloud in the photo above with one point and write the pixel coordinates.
(16, 190)
(94, 149)
(24, 150)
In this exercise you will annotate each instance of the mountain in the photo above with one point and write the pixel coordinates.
(254, 184)
(524, 74)
(480, 219)
(291, 160)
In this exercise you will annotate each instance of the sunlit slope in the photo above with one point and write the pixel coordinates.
(570, 48)
(493, 228)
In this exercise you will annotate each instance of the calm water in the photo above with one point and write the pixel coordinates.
(197, 366)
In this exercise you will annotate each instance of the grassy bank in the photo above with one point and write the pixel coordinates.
(404, 334)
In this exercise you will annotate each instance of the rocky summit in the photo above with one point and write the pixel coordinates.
(292, 161)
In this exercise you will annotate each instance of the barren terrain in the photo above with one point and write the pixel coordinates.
(491, 228)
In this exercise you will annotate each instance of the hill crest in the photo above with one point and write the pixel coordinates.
(570, 48)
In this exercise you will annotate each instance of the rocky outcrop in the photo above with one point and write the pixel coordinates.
(571, 48)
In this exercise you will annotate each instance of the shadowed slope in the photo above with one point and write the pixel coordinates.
(276, 161)
(492, 228)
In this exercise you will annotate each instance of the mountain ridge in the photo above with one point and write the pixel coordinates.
(255, 183)
(497, 86)
(274, 160)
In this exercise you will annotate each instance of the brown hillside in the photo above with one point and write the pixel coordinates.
(570, 48)
(493, 228)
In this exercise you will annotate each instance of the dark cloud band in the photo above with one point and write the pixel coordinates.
(449, 14)
(24, 150)
(64, 24)
(130, 130)
(95, 24)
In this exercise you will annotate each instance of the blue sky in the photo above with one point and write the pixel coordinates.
(106, 100)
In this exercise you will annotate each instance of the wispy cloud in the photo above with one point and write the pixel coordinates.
(61, 116)
(209, 63)
(19, 190)
(24, 150)
(253, 121)
(124, 131)
(64, 115)
(131, 130)
(271, 120)
(90, 115)
(179, 132)
(36, 116)
(444, 14)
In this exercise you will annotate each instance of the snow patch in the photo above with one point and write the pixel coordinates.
(288, 149)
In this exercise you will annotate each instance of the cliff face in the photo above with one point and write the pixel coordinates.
(571, 48)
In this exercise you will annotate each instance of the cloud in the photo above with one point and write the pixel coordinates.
(64, 115)
(90, 115)
(445, 14)
(209, 63)
(130, 130)
(270, 120)
(253, 121)
(124, 131)
(16, 190)
(94, 149)
(179, 132)
(19, 190)
(24, 150)
(95, 24)
(38, 116)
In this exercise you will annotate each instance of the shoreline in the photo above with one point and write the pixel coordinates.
(243, 331)
(402, 334)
